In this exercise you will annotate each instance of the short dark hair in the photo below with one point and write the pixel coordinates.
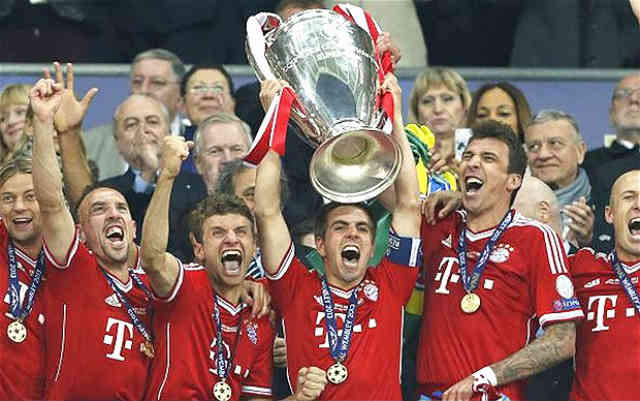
(493, 129)
(523, 110)
(234, 167)
(198, 67)
(89, 189)
(218, 204)
(322, 218)
(18, 165)
(303, 4)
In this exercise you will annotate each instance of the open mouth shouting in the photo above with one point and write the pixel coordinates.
(472, 184)
(115, 235)
(350, 255)
(21, 222)
(634, 227)
(232, 261)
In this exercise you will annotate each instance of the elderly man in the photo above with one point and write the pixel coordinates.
(555, 150)
(605, 165)
(157, 73)
(220, 138)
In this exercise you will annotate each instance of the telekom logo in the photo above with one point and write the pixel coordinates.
(123, 337)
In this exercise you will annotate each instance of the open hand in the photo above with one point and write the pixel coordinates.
(45, 99)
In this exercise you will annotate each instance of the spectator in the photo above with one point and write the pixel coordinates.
(604, 165)
(555, 150)
(440, 99)
(157, 73)
(205, 90)
(220, 139)
(501, 101)
(14, 102)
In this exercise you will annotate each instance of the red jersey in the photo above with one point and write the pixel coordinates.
(186, 344)
(92, 346)
(22, 372)
(525, 280)
(607, 343)
(374, 359)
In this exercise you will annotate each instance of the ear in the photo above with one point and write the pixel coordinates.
(81, 236)
(581, 148)
(543, 212)
(513, 182)
(134, 228)
(608, 214)
(198, 249)
(320, 247)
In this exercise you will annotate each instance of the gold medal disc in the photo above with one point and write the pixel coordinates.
(337, 373)
(222, 391)
(470, 303)
(17, 331)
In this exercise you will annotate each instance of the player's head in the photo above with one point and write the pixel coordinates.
(106, 224)
(492, 168)
(19, 208)
(537, 201)
(624, 213)
(223, 237)
(345, 236)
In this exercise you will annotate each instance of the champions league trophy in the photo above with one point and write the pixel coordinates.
(330, 64)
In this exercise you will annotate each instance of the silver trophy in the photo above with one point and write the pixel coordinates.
(330, 64)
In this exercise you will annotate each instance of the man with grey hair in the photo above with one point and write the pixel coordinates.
(157, 73)
(219, 139)
(555, 150)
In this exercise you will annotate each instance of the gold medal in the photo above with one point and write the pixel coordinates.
(147, 349)
(222, 391)
(470, 303)
(337, 373)
(17, 331)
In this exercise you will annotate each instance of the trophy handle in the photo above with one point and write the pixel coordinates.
(257, 26)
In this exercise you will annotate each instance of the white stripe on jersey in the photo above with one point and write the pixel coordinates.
(256, 390)
(166, 371)
(561, 316)
(64, 330)
(284, 265)
(551, 242)
(178, 283)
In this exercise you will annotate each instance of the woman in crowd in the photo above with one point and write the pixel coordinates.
(440, 99)
(500, 101)
(14, 102)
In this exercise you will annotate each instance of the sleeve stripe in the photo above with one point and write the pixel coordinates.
(561, 316)
(70, 253)
(284, 265)
(416, 245)
(256, 390)
(552, 245)
(176, 285)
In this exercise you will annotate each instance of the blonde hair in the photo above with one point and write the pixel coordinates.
(437, 76)
(15, 94)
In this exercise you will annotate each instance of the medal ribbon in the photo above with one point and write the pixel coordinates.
(625, 282)
(14, 286)
(122, 297)
(470, 283)
(339, 349)
(222, 364)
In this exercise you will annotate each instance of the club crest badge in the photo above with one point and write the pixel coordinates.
(370, 291)
(501, 253)
(252, 332)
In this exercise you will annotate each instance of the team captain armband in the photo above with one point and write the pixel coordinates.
(404, 250)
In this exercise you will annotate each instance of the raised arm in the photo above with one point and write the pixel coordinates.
(406, 206)
(58, 227)
(554, 346)
(68, 123)
(162, 267)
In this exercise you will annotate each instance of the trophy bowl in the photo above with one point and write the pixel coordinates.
(330, 64)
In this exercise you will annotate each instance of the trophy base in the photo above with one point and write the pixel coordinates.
(355, 166)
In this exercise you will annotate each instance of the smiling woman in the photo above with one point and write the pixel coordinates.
(14, 102)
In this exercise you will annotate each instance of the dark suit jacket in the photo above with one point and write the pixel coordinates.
(596, 158)
(188, 190)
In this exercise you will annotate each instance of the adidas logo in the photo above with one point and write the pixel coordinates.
(112, 300)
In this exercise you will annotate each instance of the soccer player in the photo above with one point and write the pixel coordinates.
(607, 344)
(208, 342)
(489, 274)
(347, 323)
(22, 331)
(98, 344)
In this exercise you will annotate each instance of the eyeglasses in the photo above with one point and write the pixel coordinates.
(624, 94)
(155, 84)
(201, 89)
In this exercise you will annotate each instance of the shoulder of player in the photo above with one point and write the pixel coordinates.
(587, 261)
(529, 228)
